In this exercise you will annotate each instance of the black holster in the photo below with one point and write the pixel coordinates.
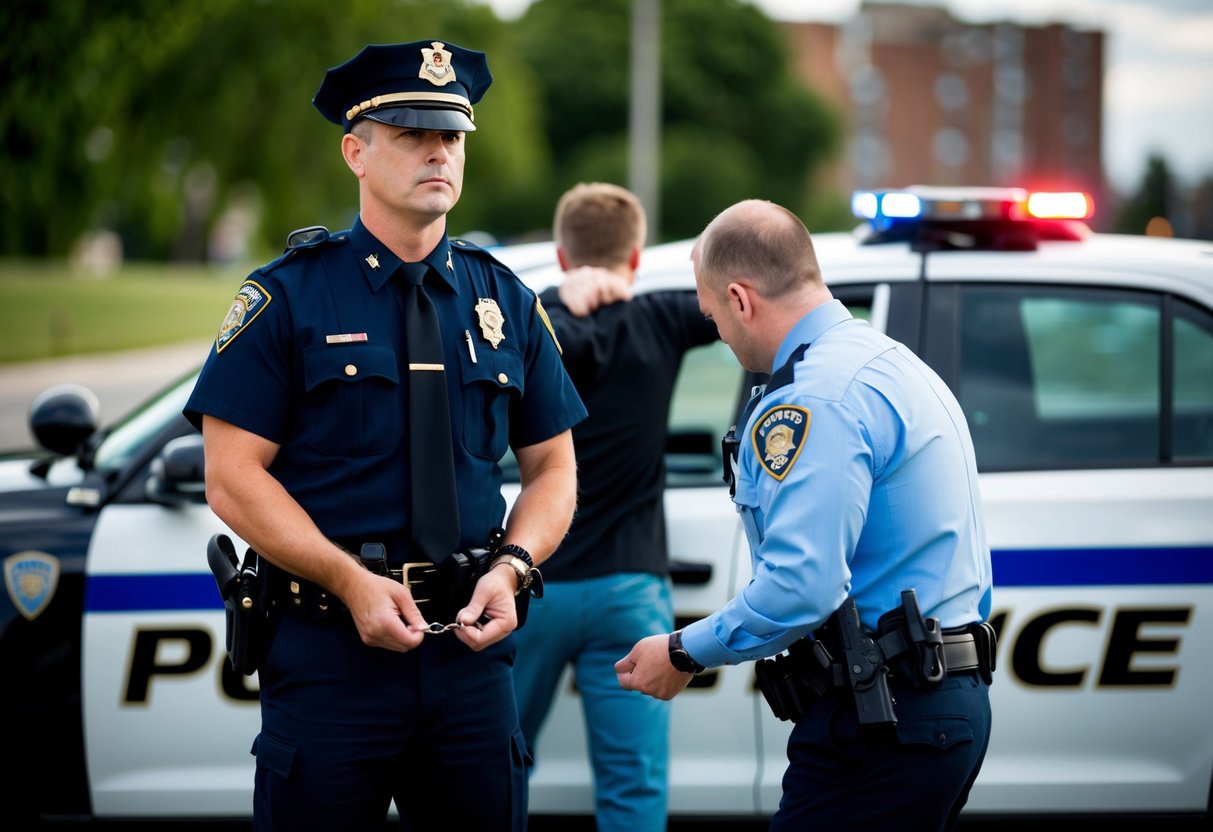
(913, 645)
(791, 682)
(244, 603)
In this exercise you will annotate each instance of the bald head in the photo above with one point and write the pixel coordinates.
(764, 243)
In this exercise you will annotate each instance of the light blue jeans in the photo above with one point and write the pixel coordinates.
(591, 624)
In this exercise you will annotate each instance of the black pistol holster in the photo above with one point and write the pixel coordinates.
(906, 645)
(866, 669)
(244, 604)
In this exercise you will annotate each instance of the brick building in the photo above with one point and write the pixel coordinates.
(930, 99)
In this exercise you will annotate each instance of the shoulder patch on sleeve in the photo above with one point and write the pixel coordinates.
(543, 316)
(779, 436)
(250, 301)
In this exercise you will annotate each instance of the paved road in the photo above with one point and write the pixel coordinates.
(120, 380)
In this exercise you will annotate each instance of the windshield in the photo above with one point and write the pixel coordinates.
(125, 439)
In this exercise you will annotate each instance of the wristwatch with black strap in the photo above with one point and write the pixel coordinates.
(680, 658)
(530, 579)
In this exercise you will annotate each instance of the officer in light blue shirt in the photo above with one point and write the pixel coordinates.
(856, 482)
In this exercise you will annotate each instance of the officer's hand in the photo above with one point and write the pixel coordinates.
(493, 599)
(384, 612)
(587, 288)
(647, 669)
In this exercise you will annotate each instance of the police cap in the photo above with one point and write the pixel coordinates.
(427, 84)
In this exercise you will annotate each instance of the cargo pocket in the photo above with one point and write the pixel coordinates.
(939, 731)
(275, 757)
(357, 388)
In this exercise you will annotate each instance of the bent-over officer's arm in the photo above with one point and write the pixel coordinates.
(538, 521)
(647, 668)
(254, 504)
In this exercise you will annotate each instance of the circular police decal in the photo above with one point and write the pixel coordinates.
(778, 437)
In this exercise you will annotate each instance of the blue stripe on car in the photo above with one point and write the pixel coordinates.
(1012, 568)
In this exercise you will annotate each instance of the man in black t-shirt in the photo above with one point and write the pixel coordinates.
(607, 585)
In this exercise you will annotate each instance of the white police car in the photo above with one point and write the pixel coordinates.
(1084, 363)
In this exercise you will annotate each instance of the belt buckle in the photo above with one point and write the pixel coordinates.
(404, 575)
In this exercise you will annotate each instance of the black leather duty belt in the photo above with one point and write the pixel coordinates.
(960, 651)
(965, 649)
(439, 590)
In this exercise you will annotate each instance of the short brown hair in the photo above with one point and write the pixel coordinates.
(598, 224)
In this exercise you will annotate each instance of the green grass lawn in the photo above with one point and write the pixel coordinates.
(47, 309)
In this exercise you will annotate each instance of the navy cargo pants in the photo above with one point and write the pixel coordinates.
(346, 728)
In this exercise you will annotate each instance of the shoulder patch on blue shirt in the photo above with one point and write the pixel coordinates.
(778, 438)
(250, 301)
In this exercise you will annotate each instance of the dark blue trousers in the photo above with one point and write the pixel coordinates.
(916, 775)
(346, 728)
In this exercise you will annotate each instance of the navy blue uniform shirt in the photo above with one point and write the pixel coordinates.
(311, 357)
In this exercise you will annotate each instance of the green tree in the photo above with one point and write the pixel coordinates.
(1155, 197)
(150, 118)
(736, 122)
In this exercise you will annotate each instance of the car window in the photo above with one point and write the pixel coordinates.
(702, 409)
(1055, 377)
(1192, 414)
(129, 436)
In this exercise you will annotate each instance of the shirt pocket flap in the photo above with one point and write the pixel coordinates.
(348, 363)
(501, 370)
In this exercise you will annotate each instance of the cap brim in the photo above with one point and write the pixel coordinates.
(422, 118)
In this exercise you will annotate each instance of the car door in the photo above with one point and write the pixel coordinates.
(1091, 409)
(168, 724)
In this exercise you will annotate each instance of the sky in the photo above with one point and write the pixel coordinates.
(1158, 69)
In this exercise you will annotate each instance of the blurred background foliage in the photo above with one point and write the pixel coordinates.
(183, 131)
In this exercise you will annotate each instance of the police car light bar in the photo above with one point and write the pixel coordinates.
(942, 203)
(1060, 206)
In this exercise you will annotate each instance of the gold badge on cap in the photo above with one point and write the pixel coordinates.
(491, 320)
(436, 66)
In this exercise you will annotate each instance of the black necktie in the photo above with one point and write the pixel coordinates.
(434, 510)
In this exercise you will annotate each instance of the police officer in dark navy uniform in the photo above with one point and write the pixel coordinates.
(386, 668)
(854, 475)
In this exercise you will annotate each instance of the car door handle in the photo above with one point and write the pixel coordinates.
(690, 572)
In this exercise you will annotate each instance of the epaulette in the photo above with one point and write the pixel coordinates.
(301, 239)
(459, 244)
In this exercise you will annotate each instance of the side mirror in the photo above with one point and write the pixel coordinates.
(178, 472)
(62, 417)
